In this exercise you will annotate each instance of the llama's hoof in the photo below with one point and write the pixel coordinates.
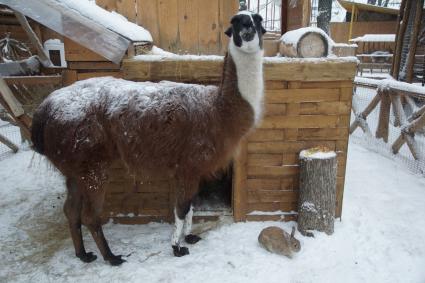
(192, 239)
(115, 260)
(180, 251)
(87, 257)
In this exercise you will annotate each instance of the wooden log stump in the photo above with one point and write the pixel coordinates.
(317, 197)
(304, 43)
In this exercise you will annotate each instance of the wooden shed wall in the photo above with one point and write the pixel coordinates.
(180, 26)
(340, 31)
(306, 104)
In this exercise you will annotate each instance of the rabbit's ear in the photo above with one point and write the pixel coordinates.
(293, 232)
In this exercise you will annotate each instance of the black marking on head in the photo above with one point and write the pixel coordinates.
(243, 28)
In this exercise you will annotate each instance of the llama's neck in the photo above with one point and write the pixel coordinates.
(250, 82)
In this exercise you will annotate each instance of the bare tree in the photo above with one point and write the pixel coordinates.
(324, 14)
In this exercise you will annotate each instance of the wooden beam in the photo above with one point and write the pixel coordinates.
(8, 143)
(34, 40)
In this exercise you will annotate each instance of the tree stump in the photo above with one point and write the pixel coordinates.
(305, 43)
(317, 196)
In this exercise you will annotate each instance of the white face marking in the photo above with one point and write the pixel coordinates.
(254, 44)
(188, 222)
(178, 228)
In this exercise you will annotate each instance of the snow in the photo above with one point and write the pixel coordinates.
(309, 154)
(111, 20)
(380, 237)
(375, 38)
(389, 82)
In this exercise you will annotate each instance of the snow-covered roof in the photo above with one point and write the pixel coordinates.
(375, 38)
(105, 33)
(111, 20)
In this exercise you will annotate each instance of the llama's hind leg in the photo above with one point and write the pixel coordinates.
(72, 209)
(94, 196)
(187, 231)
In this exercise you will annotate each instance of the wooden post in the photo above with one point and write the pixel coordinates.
(414, 40)
(404, 18)
(317, 197)
(239, 183)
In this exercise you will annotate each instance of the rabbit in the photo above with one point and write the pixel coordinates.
(276, 240)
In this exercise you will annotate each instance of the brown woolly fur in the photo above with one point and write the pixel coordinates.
(189, 135)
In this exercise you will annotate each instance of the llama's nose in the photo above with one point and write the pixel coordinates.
(248, 35)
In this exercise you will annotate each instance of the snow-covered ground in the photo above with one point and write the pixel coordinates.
(380, 237)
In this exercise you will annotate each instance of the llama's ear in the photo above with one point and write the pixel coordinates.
(228, 32)
(257, 18)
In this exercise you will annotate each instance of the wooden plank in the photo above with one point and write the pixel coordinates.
(272, 206)
(272, 171)
(93, 66)
(302, 95)
(332, 70)
(267, 196)
(275, 109)
(88, 75)
(169, 25)
(289, 71)
(290, 159)
(330, 84)
(239, 183)
(324, 108)
(323, 133)
(277, 217)
(33, 80)
(147, 16)
(269, 85)
(304, 121)
(127, 8)
(110, 5)
(267, 135)
(292, 146)
(77, 52)
(265, 159)
(188, 26)
(227, 9)
(346, 94)
(208, 27)
(263, 184)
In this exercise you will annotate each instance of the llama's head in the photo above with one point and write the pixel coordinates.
(246, 31)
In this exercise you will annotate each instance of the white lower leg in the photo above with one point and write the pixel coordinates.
(188, 222)
(178, 229)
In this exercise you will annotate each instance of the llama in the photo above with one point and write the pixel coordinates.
(184, 130)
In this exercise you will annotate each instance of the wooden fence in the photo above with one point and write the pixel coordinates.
(180, 26)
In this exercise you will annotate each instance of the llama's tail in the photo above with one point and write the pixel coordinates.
(39, 121)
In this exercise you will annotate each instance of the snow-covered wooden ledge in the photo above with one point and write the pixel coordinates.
(193, 68)
(307, 104)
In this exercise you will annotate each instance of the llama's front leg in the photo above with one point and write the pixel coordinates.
(188, 236)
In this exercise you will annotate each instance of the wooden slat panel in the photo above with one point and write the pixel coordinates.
(346, 94)
(324, 108)
(267, 135)
(268, 85)
(263, 184)
(208, 26)
(127, 8)
(272, 171)
(227, 9)
(188, 26)
(337, 84)
(265, 159)
(147, 16)
(302, 95)
(285, 217)
(168, 24)
(290, 159)
(305, 121)
(272, 196)
(324, 133)
(110, 5)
